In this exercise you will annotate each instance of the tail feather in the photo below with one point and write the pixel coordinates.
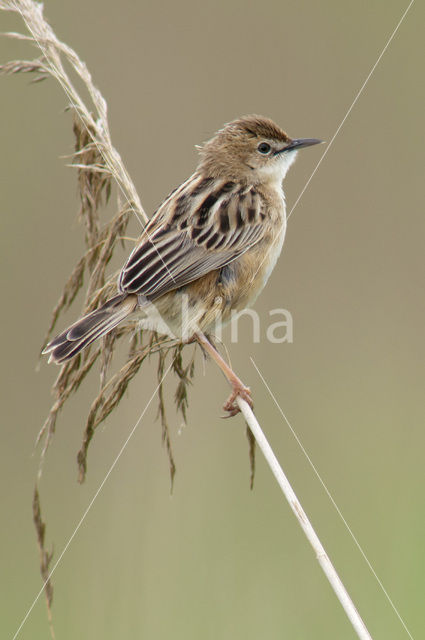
(91, 327)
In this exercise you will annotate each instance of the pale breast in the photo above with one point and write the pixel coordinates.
(273, 254)
(209, 301)
(270, 249)
(266, 259)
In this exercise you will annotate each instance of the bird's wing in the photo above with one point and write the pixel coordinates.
(202, 226)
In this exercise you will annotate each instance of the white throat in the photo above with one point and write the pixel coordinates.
(277, 170)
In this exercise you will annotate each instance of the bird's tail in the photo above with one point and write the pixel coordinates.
(90, 327)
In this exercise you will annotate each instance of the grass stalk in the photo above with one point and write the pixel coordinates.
(305, 524)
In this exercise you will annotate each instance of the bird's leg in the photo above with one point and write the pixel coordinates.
(238, 387)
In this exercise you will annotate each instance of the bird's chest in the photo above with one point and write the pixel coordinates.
(243, 280)
(271, 256)
(277, 238)
(264, 260)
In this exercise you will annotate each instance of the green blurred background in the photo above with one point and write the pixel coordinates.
(215, 560)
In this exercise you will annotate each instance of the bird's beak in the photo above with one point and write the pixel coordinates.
(299, 143)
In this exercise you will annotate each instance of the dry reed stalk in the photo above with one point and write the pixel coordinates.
(98, 163)
(305, 524)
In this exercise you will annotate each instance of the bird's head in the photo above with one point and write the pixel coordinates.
(251, 149)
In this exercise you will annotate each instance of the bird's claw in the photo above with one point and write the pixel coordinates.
(231, 406)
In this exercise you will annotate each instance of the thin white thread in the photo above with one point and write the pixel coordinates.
(319, 477)
(342, 122)
(138, 421)
(64, 550)
(352, 105)
(322, 557)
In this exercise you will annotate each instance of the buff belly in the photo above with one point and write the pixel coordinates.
(208, 302)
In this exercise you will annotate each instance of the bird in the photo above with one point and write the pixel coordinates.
(209, 249)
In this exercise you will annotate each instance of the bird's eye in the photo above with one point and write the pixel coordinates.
(264, 148)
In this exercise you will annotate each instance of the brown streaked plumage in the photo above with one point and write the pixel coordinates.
(210, 247)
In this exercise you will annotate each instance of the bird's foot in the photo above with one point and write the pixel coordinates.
(239, 391)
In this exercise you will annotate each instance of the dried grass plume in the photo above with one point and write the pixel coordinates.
(100, 174)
